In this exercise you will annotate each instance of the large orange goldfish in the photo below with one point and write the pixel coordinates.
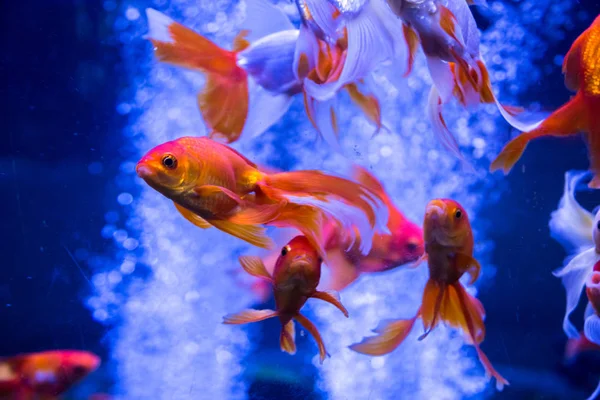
(581, 67)
(44, 375)
(211, 184)
(249, 88)
(449, 252)
(295, 279)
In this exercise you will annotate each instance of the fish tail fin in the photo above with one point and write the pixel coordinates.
(412, 42)
(390, 334)
(248, 316)
(368, 103)
(570, 119)
(461, 310)
(287, 339)
(323, 187)
(312, 329)
(223, 101)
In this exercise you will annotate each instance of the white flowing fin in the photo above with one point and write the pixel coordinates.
(307, 47)
(465, 23)
(324, 118)
(589, 310)
(158, 26)
(264, 18)
(574, 276)
(572, 225)
(323, 13)
(369, 43)
(591, 329)
(442, 78)
(265, 110)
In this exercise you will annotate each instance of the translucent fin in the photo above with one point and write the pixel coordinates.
(312, 329)
(323, 120)
(323, 14)
(343, 272)
(265, 110)
(571, 224)
(255, 267)
(591, 329)
(254, 235)
(573, 276)
(332, 297)
(158, 26)
(287, 339)
(193, 218)
(433, 299)
(390, 334)
(412, 42)
(466, 263)
(442, 78)
(260, 11)
(306, 53)
(248, 316)
(368, 103)
(567, 120)
(596, 393)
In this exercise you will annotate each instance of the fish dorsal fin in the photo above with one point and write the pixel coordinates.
(240, 42)
(263, 18)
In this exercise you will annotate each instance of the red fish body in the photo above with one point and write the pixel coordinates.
(213, 185)
(581, 113)
(449, 253)
(295, 279)
(44, 375)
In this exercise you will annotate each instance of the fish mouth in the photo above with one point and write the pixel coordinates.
(302, 262)
(435, 211)
(143, 170)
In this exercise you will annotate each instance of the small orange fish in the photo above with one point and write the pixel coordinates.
(44, 375)
(449, 252)
(581, 67)
(295, 279)
(211, 184)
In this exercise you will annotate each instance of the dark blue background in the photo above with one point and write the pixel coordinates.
(61, 77)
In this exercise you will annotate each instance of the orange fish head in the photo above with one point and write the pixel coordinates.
(298, 261)
(446, 223)
(592, 289)
(76, 365)
(168, 168)
(407, 242)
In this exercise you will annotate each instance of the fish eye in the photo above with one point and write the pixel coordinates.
(457, 214)
(285, 250)
(411, 246)
(79, 370)
(169, 161)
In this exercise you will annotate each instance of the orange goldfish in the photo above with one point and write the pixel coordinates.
(211, 184)
(44, 375)
(449, 252)
(581, 67)
(250, 88)
(295, 279)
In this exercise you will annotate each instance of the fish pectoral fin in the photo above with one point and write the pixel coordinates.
(254, 266)
(312, 329)
(250, 213)
(193, 218)
(390, 334)
(287, 339)
(252, 234)
(211, 190)
(248, 316)
(466, 263)
(332, 297)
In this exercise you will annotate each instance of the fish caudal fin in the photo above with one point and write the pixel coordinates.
(332, 297)
(287, 339)
(570, 119)
(574, 276)
(412, 42)
(248, 316)
(223, 101)
(312, 329)
(368, 103)
(390, 334)
(461, 310)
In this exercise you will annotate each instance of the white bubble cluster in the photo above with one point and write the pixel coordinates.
(171, 282)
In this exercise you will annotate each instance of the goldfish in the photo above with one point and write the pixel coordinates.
(295, 279)
(47, 374)
(345, 260)
(449, 252)
(249, 88)
(213, 185)
(581, 67)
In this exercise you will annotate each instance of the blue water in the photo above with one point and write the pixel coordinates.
(96, 260)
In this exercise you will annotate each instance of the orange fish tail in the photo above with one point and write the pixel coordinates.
(390, 335)
(320, 186)
(461, 310)
(570, 119)
(223, 101)
(287, 340)
(434, 295)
